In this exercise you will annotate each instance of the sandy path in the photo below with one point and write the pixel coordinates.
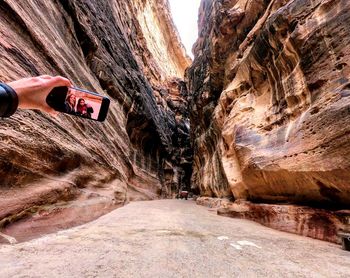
(172, 238)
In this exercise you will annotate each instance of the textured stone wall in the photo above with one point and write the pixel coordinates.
(66, 165)
(270, 101)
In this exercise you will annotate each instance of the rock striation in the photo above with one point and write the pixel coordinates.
(269, 92)
(59, 172)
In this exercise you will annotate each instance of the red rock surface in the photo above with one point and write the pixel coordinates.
(82, 167)
(270, 102)
(270, 107)
(302, 220)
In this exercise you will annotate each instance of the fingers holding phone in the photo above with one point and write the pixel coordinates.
(32, 92)
(57, 94)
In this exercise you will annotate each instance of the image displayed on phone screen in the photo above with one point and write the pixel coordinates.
(82, 104)
(79, 102)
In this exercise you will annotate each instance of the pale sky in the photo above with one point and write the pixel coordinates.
(185, 15)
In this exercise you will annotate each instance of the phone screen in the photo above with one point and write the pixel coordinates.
(83, 104)
(78, 102)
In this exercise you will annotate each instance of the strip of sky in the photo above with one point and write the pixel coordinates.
(185, 15)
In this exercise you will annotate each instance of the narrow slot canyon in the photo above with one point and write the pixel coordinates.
(253, 127)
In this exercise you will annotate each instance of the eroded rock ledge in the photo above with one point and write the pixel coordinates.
(59, 172)
(318, 223)
(269, 90)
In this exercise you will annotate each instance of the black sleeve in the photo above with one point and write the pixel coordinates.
(8, 100)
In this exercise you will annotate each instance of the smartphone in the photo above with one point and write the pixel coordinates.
(79, 102)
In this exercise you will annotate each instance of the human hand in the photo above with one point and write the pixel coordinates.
(32, 92)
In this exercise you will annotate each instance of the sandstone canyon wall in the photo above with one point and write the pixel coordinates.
(269, 90)
(64, 171)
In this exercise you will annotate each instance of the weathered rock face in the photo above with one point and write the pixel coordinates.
(323, 224)
(270, 87)
(316, 223)
(128, 50)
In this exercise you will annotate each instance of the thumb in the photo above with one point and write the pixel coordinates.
(59, 81)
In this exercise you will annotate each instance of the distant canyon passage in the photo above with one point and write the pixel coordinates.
(260, 116)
